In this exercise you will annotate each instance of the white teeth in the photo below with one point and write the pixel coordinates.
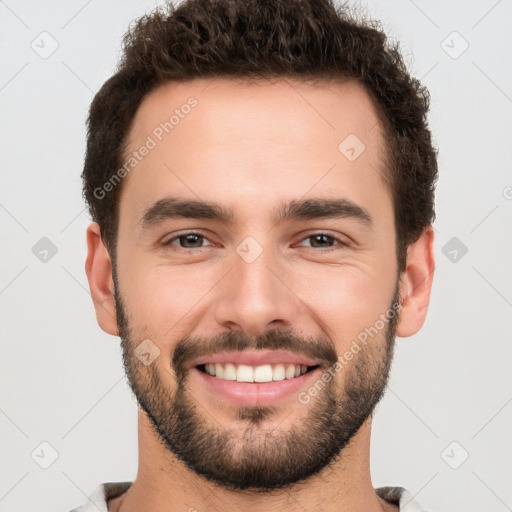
(230, 371)
(290, 371)
(278, 373)
(262, 373)
(219, 371)
(244, 373)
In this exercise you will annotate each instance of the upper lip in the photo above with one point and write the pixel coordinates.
(255, 358)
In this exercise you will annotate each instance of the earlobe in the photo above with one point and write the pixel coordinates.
(416, 284)
(98, 267)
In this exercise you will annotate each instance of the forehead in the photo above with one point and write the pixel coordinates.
(226, 107)
(241, 141)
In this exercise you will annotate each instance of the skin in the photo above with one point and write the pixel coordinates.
(250, 147)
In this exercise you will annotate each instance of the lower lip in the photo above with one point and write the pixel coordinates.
(252, 393)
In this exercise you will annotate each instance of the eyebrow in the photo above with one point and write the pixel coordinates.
(308, 209)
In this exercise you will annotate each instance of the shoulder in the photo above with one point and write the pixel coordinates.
(401, 497)
(99, 498)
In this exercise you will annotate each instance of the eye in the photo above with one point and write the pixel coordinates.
(190, 239)
(323, 241)
(195, 240)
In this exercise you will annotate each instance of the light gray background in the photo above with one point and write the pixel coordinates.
(62, 380)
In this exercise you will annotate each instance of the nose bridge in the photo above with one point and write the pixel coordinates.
(255, 294)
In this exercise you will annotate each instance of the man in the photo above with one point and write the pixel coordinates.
(287, 144)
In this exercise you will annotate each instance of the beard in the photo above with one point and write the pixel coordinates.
(256, 458)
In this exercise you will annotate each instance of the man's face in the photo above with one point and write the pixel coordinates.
(308, 288)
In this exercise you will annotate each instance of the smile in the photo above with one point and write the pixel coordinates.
(262, 373)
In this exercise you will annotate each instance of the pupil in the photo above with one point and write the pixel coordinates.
(321, 237)
(190, 238)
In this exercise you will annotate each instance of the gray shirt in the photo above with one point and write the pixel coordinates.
(109, 490)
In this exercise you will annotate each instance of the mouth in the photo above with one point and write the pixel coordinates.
(254, 377)
(255, 374)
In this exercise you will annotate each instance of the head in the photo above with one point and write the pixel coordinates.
(247, 129)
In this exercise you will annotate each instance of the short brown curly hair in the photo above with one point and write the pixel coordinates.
(305, 39)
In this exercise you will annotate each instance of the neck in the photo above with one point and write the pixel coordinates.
(163, 481)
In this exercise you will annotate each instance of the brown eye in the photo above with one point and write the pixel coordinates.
(190, 240)
(325, 242)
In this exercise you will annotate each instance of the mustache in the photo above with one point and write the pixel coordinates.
(314, 347)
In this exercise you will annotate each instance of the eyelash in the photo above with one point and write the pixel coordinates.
(168, 243)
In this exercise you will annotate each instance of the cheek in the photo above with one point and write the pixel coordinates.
(347, 301)
(161, 296)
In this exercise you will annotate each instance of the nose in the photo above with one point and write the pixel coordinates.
(257, 295)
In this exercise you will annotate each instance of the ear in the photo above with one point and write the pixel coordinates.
(416, 284)
(98, 268)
